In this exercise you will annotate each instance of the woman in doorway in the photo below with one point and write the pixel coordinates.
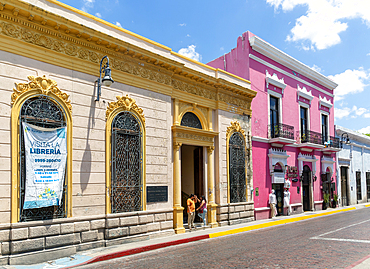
(202, 209)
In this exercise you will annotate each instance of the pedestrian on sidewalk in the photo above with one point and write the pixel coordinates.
(191, 210)
(287, 201)
(202, 209)
(272, 202)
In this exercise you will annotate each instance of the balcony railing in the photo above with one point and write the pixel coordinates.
(281, 130)
(334, 142)
(311, 137)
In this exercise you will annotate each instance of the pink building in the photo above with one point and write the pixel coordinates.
(292, 125)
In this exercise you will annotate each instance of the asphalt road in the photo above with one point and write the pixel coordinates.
(333, 241)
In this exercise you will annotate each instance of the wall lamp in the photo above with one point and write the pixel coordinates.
(344, 139)
(106, 80)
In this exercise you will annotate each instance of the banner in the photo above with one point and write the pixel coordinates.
(46, 156)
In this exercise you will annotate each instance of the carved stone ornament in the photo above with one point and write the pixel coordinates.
(128, 104)
(235, 127)
(194, 137)
(75, 48)
(43, 86)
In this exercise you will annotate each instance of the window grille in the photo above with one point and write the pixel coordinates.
(237, 168)
(127, 161)
(191, 120)
(44, 112)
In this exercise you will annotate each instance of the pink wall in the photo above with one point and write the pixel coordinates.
(239, 63)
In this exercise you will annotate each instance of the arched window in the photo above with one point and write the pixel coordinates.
(126, 180)
(191, 120)
(41, 111)
(237, 178)
(41, 125)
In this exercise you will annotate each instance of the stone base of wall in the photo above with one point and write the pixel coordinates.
(318, 205)
(235, 213)
(39, 241)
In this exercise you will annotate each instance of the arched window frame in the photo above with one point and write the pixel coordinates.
(197, 112)
(123, 103)
(24, 91)
(235, 128)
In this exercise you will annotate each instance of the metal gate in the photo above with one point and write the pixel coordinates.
(41, 111)
(127, 161)
(237, 168)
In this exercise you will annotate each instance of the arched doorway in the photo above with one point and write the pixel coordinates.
(306, 187)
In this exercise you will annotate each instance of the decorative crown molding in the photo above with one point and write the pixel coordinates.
(128, 104)
(235, 127)
(42, 85)
(303, 92)
(325, 102)
(274, 80)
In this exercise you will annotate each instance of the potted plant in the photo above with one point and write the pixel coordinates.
(325, 201)
(335, 200)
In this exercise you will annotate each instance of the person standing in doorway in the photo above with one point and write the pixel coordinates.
(272, 202)
(202, 209)
(191, 210)
(287, 201)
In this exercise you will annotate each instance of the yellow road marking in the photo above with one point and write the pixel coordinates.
(278, 222)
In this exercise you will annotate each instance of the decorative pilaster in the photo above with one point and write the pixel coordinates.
(211, 197)
(210, 127)
(176, 112)
(177, 208)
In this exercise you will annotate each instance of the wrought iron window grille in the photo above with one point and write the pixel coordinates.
(41, 111)
(191, 120)
(237, 168)
(127, 160)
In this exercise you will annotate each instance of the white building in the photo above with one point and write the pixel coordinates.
(353, 164)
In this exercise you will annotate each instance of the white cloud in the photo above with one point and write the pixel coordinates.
(365, 130)
(340, 113)
(354, 112)
(368, 54)
(191, 53)
(360, 111)
(222, 49)
(324, 20)
(350, 82)
(182, 24)
(187, 35)
(87, 5)
(118, 24)
(316, 68)
(98, 15)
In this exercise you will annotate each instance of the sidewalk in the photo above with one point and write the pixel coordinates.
(107, 253)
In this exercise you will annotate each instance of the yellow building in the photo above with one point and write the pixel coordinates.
(167, 127)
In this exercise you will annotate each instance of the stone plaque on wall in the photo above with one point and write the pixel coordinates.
(156, 194)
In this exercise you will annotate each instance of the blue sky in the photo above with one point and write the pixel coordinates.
(331, 36)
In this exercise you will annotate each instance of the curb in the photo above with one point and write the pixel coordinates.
(137, 250)
(119, 254)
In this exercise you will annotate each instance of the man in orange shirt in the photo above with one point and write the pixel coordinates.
(191, 210)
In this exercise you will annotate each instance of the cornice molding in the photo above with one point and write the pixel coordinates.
(281, 57)
(288, 74)
(38, 35)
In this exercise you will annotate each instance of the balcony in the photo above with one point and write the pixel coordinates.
(333, 145)
(310, 140)
(281, 134)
